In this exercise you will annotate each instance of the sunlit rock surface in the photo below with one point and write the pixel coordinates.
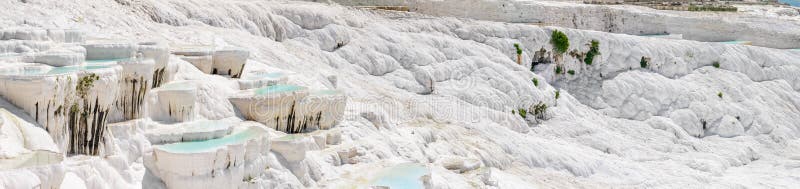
(419, 100)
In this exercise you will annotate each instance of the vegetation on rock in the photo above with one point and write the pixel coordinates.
(560, 41)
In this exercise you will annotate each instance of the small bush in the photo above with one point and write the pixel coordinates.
(571, 72)
(594, 50)
(559, 70)
(644, 63)
(719, 94)
(523, 113)
(560, 41)
(558, 94)
(535, 82)
(539, 110)
(519, 50)
(715, 64)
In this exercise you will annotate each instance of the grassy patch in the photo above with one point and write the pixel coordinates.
(644, 63)
(571, 72)
(594, 50)
(560, 41)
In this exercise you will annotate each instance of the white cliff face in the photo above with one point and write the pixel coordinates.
(764, 26)
(430, 96)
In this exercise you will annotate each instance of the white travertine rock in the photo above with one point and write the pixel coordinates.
(615, 124)
(230, 61)
(216, 163)
(274, 106)
(254, 80)
(159, 52)
(136, 80)
(109, 49)
(187, 132)
(37, 34)
(203, 63)
(59, 57)
(24, 46)
(72, 181)
(292, 148)
(321, 109)
(176, 100)
(459, 164)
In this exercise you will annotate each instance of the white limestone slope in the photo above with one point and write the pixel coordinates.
(439, 92)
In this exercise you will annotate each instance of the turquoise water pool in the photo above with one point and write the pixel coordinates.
(277, 89)
(45, 71)
(403, 176)
(736, 42)
(70, 69)
(207, 145)
(795, 3)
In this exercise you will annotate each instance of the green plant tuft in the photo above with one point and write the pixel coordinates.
(719, 94)
(643, 62)
(519, 50)
(523, 113)
(571, 72)
(558, 94)
(535, 82)
(560, 41)
(594, 50)
(715, 64)
(85, 83)
(559, 70)
(539, 110)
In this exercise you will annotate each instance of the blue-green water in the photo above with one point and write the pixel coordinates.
(403, 176)
(267, 75)
(736, 42)
(795, 3)
(277, 89)
(207, 145)
(53, 71)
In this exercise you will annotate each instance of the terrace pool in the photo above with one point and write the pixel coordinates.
(41, 70)
(277, 89)
(737, 42)
(403, 176)
(795, 3)
(208, 145)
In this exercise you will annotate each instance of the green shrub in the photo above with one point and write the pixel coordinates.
(571, 72)
(719, 94)
(523, 113)
(539, 110)
(535, 82)
(560, 41)
(558, 94)
(85, 83)
(519, 50)
(594, 50)
(715, 64)
(559, 70)
(643, 62)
